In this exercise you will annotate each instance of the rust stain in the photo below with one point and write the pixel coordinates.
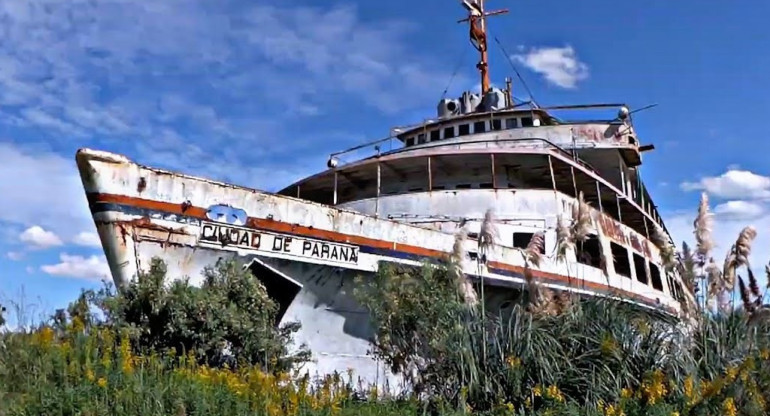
(613, 230)
(126, 227)
(588, 133)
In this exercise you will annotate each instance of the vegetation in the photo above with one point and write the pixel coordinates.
(215, 350)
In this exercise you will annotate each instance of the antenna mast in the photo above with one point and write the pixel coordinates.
(478, 35)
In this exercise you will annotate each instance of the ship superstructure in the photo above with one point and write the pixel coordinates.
(308, 242)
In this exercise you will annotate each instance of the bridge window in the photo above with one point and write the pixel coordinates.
(620, 260)
(640, 269)
(497, 124)
(511, 123)
(522, 239)
(435, 135)
(526, 122)
(464, 130)
(421, 138)
(410, 141)
(589, 252)
(449, 132)
(480, 127)
(657, 284)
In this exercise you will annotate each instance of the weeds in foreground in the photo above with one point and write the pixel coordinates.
(95, 372)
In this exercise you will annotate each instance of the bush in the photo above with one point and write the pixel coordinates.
(229, 319)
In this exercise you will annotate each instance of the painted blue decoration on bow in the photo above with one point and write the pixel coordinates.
(226, 214)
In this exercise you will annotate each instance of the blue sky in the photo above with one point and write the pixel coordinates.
(260, 92)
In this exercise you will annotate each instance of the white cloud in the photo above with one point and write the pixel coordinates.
(739, 210)
(37, 237)
(41, 189)
(733, 184)
(87, 239)
(559, 66)
(744, 196)
(103, 72)
(726, 230)
(91, 268)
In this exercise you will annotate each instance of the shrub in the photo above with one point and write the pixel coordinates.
(228, 319)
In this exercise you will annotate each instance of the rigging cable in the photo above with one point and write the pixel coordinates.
(508, 57)
(454, 73)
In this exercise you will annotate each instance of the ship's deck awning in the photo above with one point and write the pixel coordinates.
(478, 168)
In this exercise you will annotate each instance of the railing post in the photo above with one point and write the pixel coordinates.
(334, 202)
(377, 200)
(494, 177)
(430, 176)
(553, 176)
(599, 195)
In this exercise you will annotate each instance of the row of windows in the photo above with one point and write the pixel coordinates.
(465, 129)
(589, 253)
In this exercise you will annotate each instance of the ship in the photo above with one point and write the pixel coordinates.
(404, 203)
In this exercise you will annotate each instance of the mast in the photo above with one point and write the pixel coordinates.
(478, 35)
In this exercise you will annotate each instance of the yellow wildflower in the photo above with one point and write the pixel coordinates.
(513, 362)
(102, 382)
(45, 336)
(608, 345)
(554, 393)
(731, 373)
(765, 354)
(626, 393)
(654, 388)
(537, 391)
(77, 325)
(90, 375)
(729, 407)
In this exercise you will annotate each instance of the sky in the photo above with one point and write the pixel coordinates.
(259, 92)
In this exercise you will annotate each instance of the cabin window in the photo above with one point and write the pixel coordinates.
(497, 124)
(522, 239)
(419, 189)
(485, 185)
(421, 138)
(435, 135)
(463, 186)
(589, 252)
(473, 236)
(679, 293)
(526, 122)
(620, 260)
(410, 141)
(464, 130)
(480, 127)
(670, 283)
(640, 269)
(657, 284)
(449, 132)
(511, 123)
(438, 187)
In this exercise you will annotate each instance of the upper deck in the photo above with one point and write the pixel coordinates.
(502, 149)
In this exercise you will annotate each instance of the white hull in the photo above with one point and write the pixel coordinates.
(143, 213)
